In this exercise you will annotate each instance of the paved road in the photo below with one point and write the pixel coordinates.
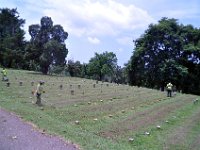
(18, 135)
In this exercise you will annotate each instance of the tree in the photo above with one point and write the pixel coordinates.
(101, 65)
(12, 42)
(74, 68)
(47, 45)
(84, 73)
(120, 75)
(166, 51)
(171, 71)
(191, 59)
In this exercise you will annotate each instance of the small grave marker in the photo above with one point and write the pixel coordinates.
(131, 139)
(77, 122)
(8, 84)
(158, 127)
(72, 92)
(20, 83)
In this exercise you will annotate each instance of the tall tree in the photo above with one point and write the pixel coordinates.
(166, 51)
(11, 38)
(102, 64)
(47, 45)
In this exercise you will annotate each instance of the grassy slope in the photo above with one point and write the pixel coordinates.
(134, 111)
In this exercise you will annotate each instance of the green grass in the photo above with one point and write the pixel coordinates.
(61, 110)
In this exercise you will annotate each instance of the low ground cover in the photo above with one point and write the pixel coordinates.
(104, 115)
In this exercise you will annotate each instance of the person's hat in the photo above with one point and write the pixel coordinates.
(41, 81)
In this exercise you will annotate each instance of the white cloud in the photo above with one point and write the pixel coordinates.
(96, 18)
(117, 23)
(93, 40)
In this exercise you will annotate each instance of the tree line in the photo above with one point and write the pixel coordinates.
(46, 50)
(166, 52)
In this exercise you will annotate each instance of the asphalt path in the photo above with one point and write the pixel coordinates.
(15, 134)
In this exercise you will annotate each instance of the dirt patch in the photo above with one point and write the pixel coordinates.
(180, 134)
(141, 119)
(196, 144)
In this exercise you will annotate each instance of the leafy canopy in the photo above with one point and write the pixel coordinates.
(167, 51)
(102, 64)
(47, 45)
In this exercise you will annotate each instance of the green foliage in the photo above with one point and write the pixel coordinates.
(74, 68)
(11, 38)
(172, 71)
(120, 75)
(47, 46)
(102, 64)
(166, 52)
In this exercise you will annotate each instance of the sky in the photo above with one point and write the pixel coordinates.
(104, 25)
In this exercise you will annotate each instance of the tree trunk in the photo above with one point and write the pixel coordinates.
(100, 76)
(44, 70)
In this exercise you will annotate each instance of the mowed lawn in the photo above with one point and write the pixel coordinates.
(104, 116)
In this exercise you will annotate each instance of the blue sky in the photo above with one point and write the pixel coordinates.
(104, 25)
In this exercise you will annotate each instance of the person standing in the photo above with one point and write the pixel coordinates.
(4, 75)
(169, 89)
(39, 92)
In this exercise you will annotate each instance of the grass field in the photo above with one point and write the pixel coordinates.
(104, 116)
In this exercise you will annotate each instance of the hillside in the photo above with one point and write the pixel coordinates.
(104, 115)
